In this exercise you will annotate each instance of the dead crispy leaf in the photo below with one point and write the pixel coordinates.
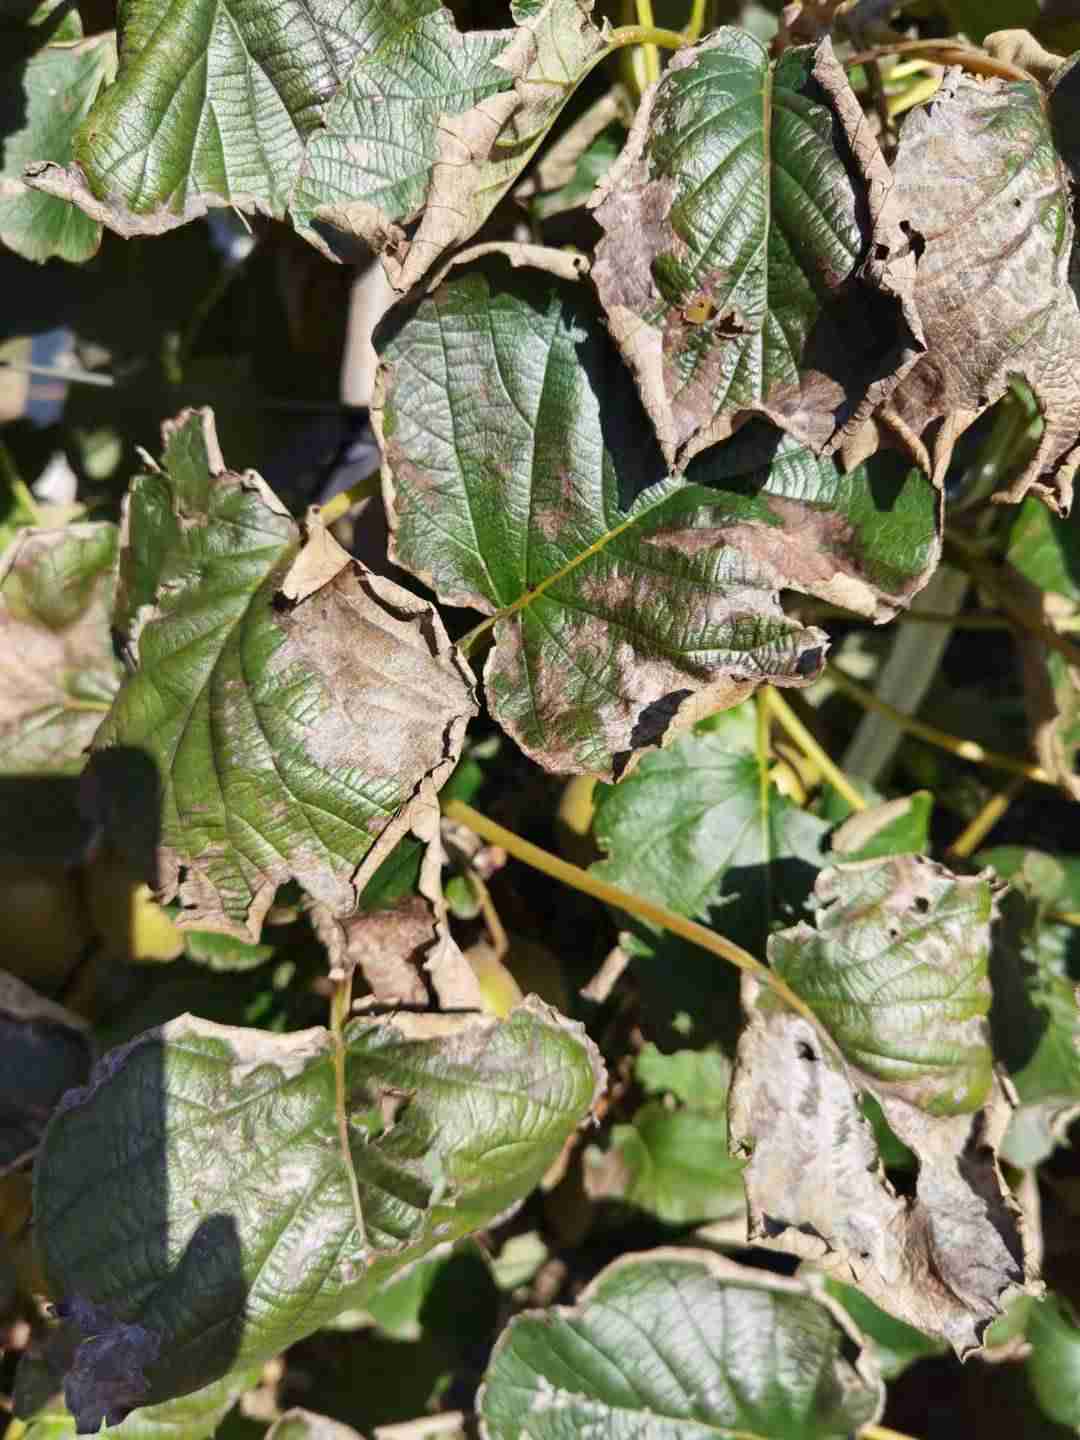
(292, 702)
(985, 195)
(483, 151)
(947, 1259)
(748, 221)
(387, 947)
(1051, 688)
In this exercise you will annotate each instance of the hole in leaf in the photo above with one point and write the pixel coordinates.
(917, 239)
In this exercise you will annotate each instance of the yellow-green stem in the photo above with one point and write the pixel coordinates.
(963, 749)
(881, 1432)
(614, 895)
(645, 35)
(696, 22)
(340, 1006)
(811, 749)
(343, 502)
(652, 55)
(973, 834)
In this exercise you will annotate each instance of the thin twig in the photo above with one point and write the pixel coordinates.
(963, 749)
(607, 894)
(811, 749)
(945, 52)
(881, 1432)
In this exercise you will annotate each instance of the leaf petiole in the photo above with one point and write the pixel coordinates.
(963, 749)
(645, 35)
(811, 749)
(614, 895)
(973, 834)
(340, 1006)
(652, 55)
(696, 23)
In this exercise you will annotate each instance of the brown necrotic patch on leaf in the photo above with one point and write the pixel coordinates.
(986, 195)
(291, 702)
(522, 479)
(746, 225)
(481, 152)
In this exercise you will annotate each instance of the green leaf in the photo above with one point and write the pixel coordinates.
(1053, 1366)
(1045, 548)
(683, 1344)
(522, 479)
(43, 1052)
(229, 1170)
(895, 1345)
(36, 124)
(224, 952)
(672, 1160)
(699, 827)
(58, 673)
(305, 110)
(453, 1296)
(290, 701)
(737, 221)
(896, 968)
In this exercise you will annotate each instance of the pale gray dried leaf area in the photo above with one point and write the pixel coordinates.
(753, 261)
(57, 668)
(985, 196)
(947, 1259)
